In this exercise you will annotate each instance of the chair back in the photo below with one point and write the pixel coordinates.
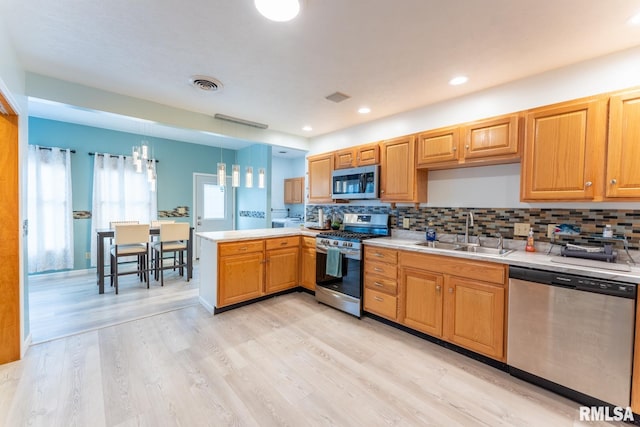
(157, 223)
(128, 234)
(112, 224)
(173, 232)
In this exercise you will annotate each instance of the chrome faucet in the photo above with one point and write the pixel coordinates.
(500, 241)
(466, 227)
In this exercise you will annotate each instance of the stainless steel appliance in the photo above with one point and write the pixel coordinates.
(572, 331)
(355, 183)
(345, 292)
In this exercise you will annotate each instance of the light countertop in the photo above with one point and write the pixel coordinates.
(258, 233)
(539, 260)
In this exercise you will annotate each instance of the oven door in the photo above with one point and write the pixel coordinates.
(350, 282)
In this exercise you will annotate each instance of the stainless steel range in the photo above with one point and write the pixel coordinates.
(339, 260)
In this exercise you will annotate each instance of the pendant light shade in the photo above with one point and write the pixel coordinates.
(249, 178)
(235, 176)
(222, 174)
(261, 178)
(278, 10)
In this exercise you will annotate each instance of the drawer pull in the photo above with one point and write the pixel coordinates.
(244, 248)
(377, 269)
(378, 299)
(438, 288)
(378, 254)
(378, 284)
(284, 243)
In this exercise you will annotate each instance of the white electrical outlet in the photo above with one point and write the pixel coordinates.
(87, 255)
(521, 229)
(550, 229)
(405, 223)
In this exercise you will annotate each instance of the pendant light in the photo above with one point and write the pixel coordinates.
(261, 178)
(278, 10)
(249, 177)
(235, 176)
(222, 174)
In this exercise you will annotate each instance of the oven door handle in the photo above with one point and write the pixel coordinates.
(351, 254)
(321, 250)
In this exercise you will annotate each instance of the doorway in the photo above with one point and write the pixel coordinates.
(214, 206)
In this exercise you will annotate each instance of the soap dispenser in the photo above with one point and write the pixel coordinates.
(530, 242)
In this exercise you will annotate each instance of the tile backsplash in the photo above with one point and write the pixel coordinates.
(489, 221)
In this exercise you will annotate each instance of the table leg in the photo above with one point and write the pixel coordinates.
(190, 255)
(100, 254)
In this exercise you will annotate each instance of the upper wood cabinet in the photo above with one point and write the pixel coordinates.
(485, 142)
(496, 139)
(400, 181)
(439, 146)
(320, 169)
(294, 190)
(564, 149)
(623, 146)
(361, 155)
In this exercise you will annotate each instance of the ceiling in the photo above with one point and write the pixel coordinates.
(392, 56)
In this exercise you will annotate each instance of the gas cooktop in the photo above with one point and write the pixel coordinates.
(347, 235)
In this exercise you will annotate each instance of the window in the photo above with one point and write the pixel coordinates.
(119, 194)
(214, 199)
(49, 212)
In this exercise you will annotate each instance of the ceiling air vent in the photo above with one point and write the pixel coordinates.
(207, 84)
(337, 97)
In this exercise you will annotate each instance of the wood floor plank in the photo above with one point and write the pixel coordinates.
(286, 361)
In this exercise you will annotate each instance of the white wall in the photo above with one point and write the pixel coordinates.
(496, 186)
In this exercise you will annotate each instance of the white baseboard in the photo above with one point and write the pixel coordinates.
(25, 346)
(62, 274)
(206, 305)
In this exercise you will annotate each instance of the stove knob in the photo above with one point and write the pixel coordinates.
(335, 243)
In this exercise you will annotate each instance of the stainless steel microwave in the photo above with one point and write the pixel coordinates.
(356, 183)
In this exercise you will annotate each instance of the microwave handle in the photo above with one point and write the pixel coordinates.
(363, 182)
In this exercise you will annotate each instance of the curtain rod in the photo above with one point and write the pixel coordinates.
(61, 149)
(115, 155)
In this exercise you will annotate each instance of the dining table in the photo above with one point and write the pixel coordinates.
(153, 231)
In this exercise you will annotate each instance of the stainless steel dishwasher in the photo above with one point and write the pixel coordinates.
(572, 331)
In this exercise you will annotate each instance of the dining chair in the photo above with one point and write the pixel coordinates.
(112, 224)
(173, 238)
(130, 239)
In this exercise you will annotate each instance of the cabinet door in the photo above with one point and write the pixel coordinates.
(381, 304)
(397, 179)
(308, 268)
(288, 191)
(240, 278)
(282, 269)
(421, 300)
(474, 316)
(564, 148)
(623, 173)
(493, 138)
(297, 190)
(320, 169)
(438, 146)
(367, 154)
(345, 159)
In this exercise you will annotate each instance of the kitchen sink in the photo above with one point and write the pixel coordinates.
(461, 247)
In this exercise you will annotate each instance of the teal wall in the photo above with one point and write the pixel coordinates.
(177, 161)
(254, 199)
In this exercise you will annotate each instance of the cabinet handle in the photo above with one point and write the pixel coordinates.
(378, 284)
(284, 243)
(588, 184)
(454, 149)
(450, 290)
(243, 248)
(438, 288)
(378, 299)
(466, 146)
(377, 269)
(382, 191)
(378, 254)
(614, 181)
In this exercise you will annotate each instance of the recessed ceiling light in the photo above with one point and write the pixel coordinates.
(278, 10)
(364, 110)
(635, 20)
(458, 80)
(307, 128)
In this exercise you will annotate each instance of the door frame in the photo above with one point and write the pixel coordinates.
(194, 218)
(12, 336)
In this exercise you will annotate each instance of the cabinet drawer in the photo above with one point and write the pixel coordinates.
(240, 247)
(381, 255)
(380, 284)
(308, 242)
(282, 242)
(381, 304)
(388, 271)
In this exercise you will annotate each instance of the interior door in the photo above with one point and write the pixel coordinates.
(213, 206)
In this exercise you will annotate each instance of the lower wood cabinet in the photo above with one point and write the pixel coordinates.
(458, 300)
(240, 275)
(308, 263)
(253, 268)
(380, 282)
(380, 303)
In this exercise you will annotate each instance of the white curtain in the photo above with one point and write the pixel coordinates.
(50, 215)
(119, 194)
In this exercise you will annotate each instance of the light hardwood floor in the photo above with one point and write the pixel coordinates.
(65, 305)
(284, 361)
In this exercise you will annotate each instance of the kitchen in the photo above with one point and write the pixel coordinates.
(451, 192)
